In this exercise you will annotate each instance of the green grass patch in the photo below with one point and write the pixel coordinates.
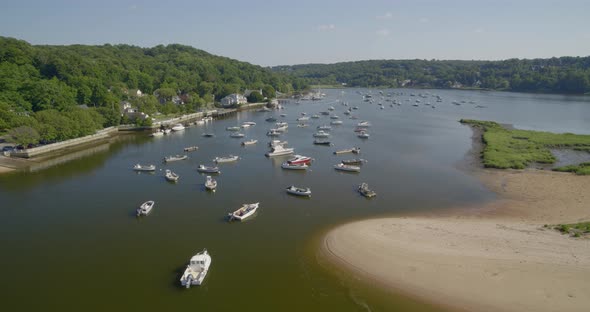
(581, 169)
(513, 148)
(574, 229)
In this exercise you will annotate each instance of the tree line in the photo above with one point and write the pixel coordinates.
(62, 92)
(553, 75)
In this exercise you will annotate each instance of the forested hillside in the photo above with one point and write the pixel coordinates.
(42, 86)
(556, 75)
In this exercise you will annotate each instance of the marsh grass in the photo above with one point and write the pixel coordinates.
(516, 149)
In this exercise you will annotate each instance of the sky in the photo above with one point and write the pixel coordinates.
(278, 32)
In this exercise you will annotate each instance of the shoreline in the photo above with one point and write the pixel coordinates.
(496, 256)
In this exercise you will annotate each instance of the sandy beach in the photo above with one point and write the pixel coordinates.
(494, 257)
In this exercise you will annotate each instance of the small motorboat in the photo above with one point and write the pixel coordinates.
(233, 128)
(299, 159)
(175, 158)
(145, 208)
(210, 183)
(273, 132)
(287, 165)
(363, 124)
(331, 108)
(139, 167)
(178, 127)
(321, 134)
(355, 150)
(237, 135)
(336, 122)
(304, 118)
(365, 191)
(196, 270)
(167, 131)
(359, 129)
(324, 127)
(363, 135)
(157, 133)
(191, 148)
(321, 142)
(171, 176)
(247, 124)
(315, 116)
(301, 125)
(334, 117)
(243, 212)
(249, 142)
(355, 161)
(298, 191)
(349, 168)
(281, 124)
(206, 169)
(226, 159)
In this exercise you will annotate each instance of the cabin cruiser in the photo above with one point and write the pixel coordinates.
(196, 270)
(226, 159)
(280, 150)
(299, 159)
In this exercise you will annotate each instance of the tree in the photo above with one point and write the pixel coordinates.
(255, 97)
(112, 117)
(269, 92)
(23, 135)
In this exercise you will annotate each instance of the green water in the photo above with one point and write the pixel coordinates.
(70, 239)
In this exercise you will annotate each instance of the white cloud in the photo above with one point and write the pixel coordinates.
(424, 20)
(383, 32)
(387, 15)
(327, 27)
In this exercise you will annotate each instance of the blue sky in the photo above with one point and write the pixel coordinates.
(305, 31)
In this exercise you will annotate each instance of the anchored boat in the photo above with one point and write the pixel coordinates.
(210, 183)
(171, 176)
(226, 159)
(196, 270)
(145, 208)
(298, 191)
(244, 212)
(365, 191)
(348, 168)
(139, 167)
(206, 169)
(175, 158)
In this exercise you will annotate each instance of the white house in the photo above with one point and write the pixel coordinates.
(233, 99)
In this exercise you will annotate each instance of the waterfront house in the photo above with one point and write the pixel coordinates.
(233, 100)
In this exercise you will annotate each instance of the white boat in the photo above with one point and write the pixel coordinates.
(237, 135)
(233, 128)
(244, 212)
(279, 150)
(301, 125)
(191, 148)
(304, 118)
(299, 191)
(226, 159)
(355, 150)
(363, 135)
(363, 124)
(167, 131)
(157, 133)
(171, 176)
(196, 270)
(206, 169)
(175, 158)
(365, 191)
(178, 127)
(283, 115)
(281, 129)
(249, 142)
(246, 124)
(355, 161)
(336, 122)
(145, 208)
(334, 117)
(321, 134)
(210, 183)
(274, 143)
(273, 132)
(315, 116)
(350, 168)
(139, 167)
(331, 108)
(324, 127)
(290, 166)
(208, 118)
(281, 124)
